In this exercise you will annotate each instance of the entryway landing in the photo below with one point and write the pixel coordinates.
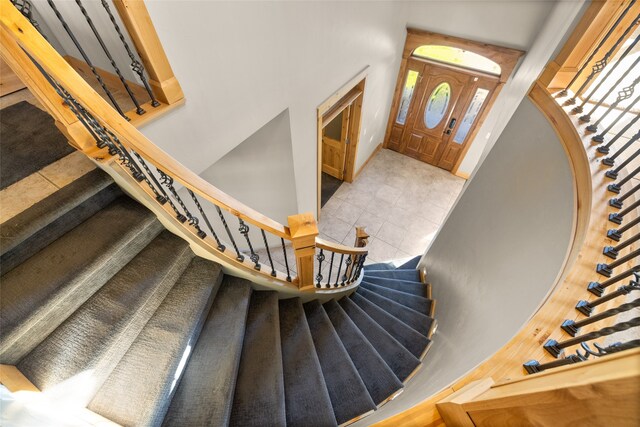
(401, 201)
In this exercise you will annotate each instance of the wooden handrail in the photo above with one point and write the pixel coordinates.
(338, 248)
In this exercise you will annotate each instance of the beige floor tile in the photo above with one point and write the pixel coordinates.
(388, 194)
(391, 234)
(371, 221)
(380, 250)
(24, 194)
(67, 169)
(331, 207)
(334, 228)
(348, 213)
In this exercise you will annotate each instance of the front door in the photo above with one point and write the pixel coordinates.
(334, 144)
(438, 109)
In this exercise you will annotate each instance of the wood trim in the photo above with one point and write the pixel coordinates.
(304, 232)
(340, 107)
(366, 162)
(14, 380)
(136, 19)
(506, 57)
(9, 81)
(339, 248)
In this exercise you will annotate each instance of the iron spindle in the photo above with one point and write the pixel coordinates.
(266, 245)
(616, 186)
(320, 258)
(617, 217)
(586, 307)
(555, 348)
(616, 234)
(617, 202)
(139, 109)
(330, 268)
(602, 64)
(347, 272)
(221, 247)
(597, 49)
(604, 149)
(136, 64)
(253, 256)
(193, 221)
(598, 288)
(158, 191)
(624, 94)
(335, 285)
(239, 255)
(612, 251)
(607, 269)
(610, 161)
(533, 366)
(613, 173)
(286, 262)
(86, 58)
(573, 328)
(579, 108)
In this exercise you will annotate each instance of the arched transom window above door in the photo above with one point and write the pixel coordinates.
(458, 57)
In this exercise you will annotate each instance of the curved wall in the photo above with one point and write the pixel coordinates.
(498, 253)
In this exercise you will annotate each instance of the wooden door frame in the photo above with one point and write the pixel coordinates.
(507, 58)
(346, 92)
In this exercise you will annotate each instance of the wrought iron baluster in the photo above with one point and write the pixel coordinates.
(602, 63)
(613, 173)
(347, 271)
(105, 49)
(136, 64)
(555, 348)
(221, 247)
(244, 230)
(330, 269)
(617, 202)
(616, 186)
(624, 94)
(610, 161)
(168, 182)
(612, 251)
(286, 261)
(266, 245)
(579, 108)
(573, 328)
(616, 234)
(320, 258)
(335, 285)
(617, 217)
(586, 307)
(363, 257)
(158, 191)
(239, 255)
(604, 149)
(86, 58)
(598, 288)
(533, 366)
(597, 49)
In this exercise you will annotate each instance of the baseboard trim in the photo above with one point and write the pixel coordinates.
(373, 154)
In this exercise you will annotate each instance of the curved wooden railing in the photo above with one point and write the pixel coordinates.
(258, 246)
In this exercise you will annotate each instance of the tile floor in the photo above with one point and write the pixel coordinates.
(401, 201)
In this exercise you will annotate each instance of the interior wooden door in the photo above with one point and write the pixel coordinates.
(334, 144)
(431, 117)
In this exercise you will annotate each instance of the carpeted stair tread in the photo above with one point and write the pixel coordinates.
(414, 319)
(139, 389)
(378, 266)
(395, 355)
(348, 393)
(409, 287)
(38, 226)
(39, 294)
(380, 380)
(306, 392)
(412, 264)
(411, 275)
(259, 398)
(417, 303)
(411, 339)
(96, 336)
(204, 395)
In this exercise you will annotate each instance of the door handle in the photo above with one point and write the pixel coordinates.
(452, 124)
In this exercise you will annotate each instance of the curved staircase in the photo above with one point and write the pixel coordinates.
(103, 307)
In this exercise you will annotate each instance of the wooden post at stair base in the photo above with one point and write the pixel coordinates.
(362, 238)
(135, 17)
(304, 229)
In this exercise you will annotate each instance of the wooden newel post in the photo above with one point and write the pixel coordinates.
(304, 230)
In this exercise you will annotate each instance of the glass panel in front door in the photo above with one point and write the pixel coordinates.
(470, 116)
(407, 94)
(437, 106)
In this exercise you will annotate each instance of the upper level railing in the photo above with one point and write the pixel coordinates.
(232, 232)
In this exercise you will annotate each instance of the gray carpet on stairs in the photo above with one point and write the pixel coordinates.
(379, 379)
(379, 266)
(395, 355)
(412, 264)
(204, 396)
(39, 294)
(259, 397)
(409, 287)
(411, 275)
(306, 392)
(95, 337)
(414, 319)
(417, 303)
(30, 141)
(348, 393)
(38, 226)
(156, 355)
